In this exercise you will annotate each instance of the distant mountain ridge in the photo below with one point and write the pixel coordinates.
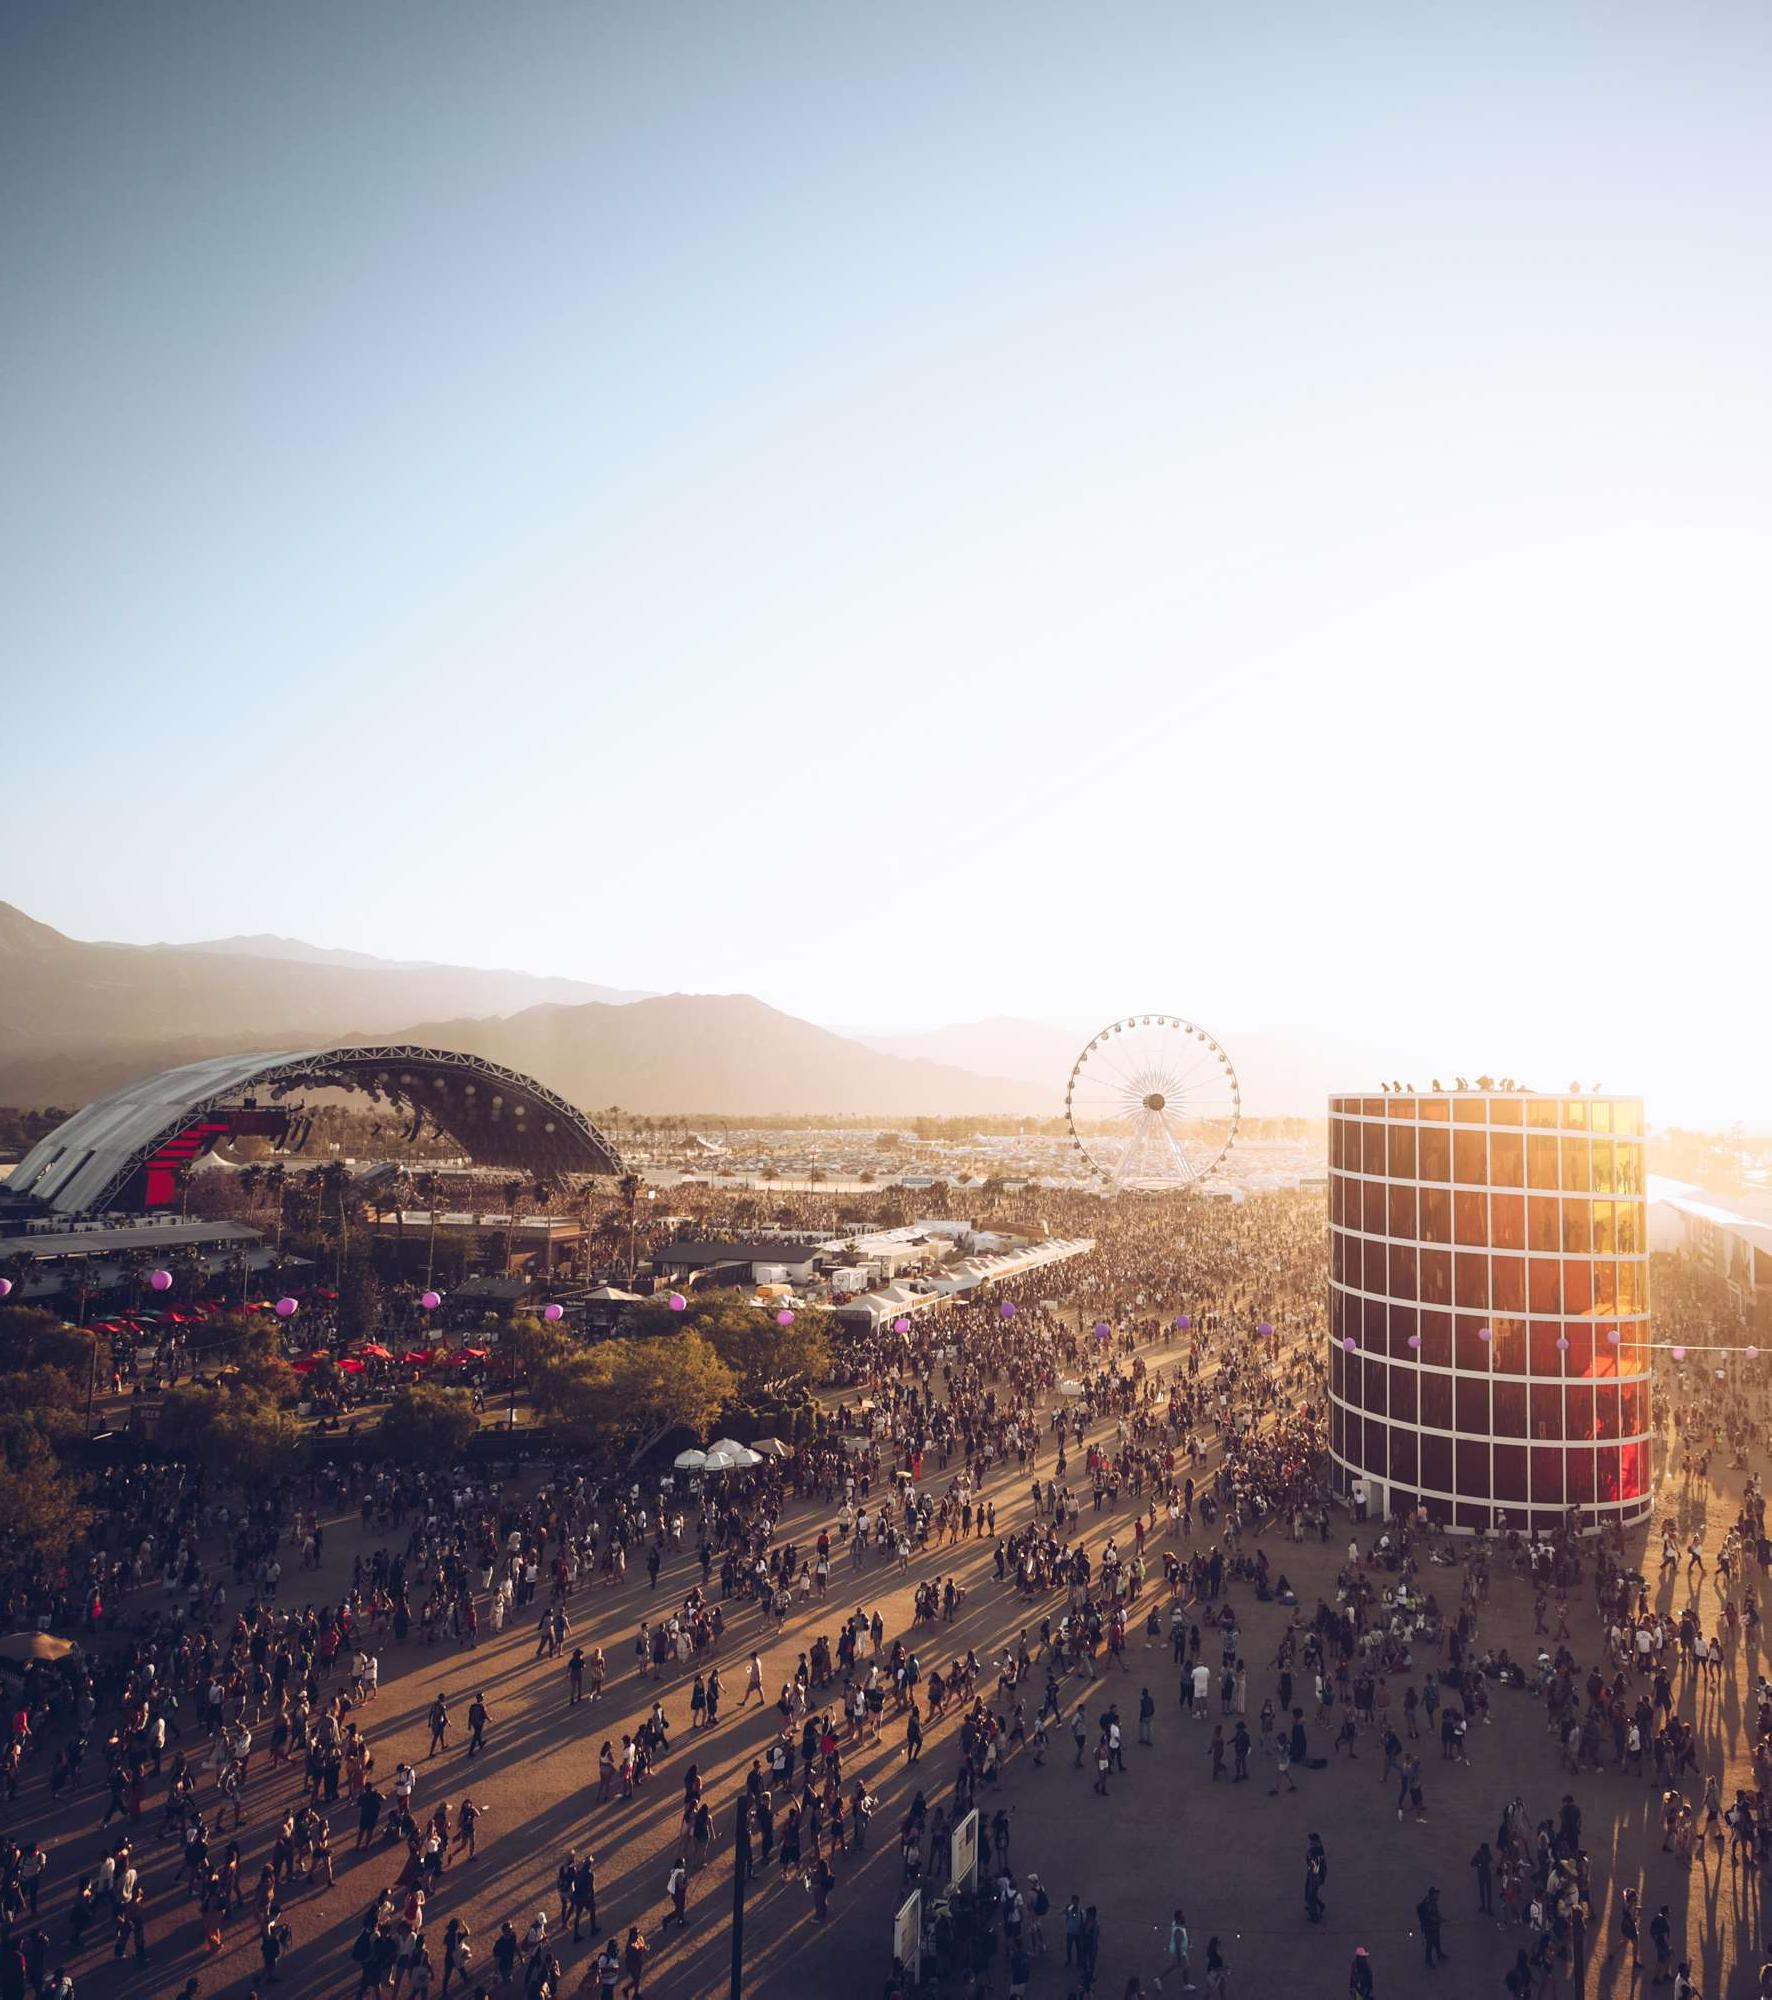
(724, 1053)
(78, 1019)
(537, 987)
(1032, 1052)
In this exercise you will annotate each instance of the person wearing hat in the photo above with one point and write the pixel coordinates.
(1359, 1978)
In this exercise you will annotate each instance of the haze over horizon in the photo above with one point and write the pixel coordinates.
(915, 517)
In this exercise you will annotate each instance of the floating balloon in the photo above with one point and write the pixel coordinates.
(1679, 1354)
(1485, 1333)
(1102, 1329)
(678, 1302)
(1007, 1309)
(161, 1281)
(1722, 1374)
(784, 1317)
(1350, 1343)
(285, 1308)
(1266, 1326)
(1562, 1343)
(430, 1300)
(553, 1310)
(1182, 1322)
(1612, 1335)
(1750, 1353)
(1415, 1340)
(5, 1287)
(901, 1325)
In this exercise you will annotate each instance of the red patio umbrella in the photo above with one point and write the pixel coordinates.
(375, 1351)
(416, 1357)
(351, 1365)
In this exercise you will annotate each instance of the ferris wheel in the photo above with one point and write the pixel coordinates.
(1153, 1102)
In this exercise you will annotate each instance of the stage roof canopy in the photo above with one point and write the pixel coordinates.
(500, 1118)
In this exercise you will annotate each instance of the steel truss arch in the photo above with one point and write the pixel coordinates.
(499, 1116)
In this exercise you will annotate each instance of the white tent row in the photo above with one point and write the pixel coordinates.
(971, 1272)
(889, 1302)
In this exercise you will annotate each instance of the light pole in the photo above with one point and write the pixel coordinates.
(741, 1868)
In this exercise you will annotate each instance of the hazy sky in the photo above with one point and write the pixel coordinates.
(911, 511)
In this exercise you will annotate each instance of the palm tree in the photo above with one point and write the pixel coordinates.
(427, 1186)
(18, 1267)
(335, 1181)
(276, 1185)
(629, 1187)
(399, 1191)
(543, 1197)
(84, 1287)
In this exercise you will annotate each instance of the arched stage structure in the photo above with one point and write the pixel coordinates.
(127, 1150)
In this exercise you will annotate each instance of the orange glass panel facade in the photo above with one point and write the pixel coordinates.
(1489, 1264)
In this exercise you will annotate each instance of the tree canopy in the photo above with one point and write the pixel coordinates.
(746, 1337)
(240, 1429)
(629, 1392)
(428, 1425)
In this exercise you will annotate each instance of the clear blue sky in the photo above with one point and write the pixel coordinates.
(1255, 510)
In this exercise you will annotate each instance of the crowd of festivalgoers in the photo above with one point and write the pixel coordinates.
(1140, 1491)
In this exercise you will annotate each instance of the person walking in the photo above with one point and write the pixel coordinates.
(1179, 1958)
(1359, 1977)
(634, 1962)
(677, 1886)
(1428, 1910)
(1484, 1863)
(479, 1715)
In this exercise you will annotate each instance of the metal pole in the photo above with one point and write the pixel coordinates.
(740, 1839)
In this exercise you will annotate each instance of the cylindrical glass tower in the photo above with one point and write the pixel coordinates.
(1489, 1306)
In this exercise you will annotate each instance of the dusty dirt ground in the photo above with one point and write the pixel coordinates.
(1232, 1856)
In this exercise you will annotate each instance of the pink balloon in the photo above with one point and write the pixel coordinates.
(430, 1300)
(1750, 1353)
(161, 1281)
(1415, 1340)
(901, 1325)
(1007, 1308)
(1102, 1329)
(1485, 1333)
(1562, 1344)
(1350, 1343)
(678, 1302)
(5, 1287)
(1612, 1335)
(1679, 1354)
(553, 1311)
(1266, 1326)
(784, 1317)
(285, 1308)
(1183, 1321)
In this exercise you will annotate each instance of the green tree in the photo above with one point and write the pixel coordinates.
(428, 1425)
(246, 1434)
(746, 1337)
(41, 1511)
(629, 1393)
(359, 1298)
